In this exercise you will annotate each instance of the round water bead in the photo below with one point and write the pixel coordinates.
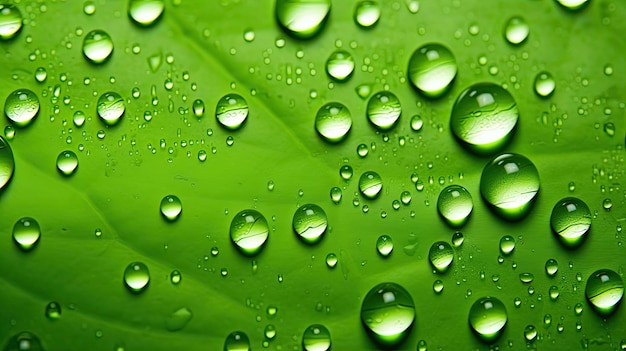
(231, 111)
(509, 185)
(383, 110)
(516, 30)
(346, 172)
(457, 239)
(455, 205)
(440, 256)
(10, 21)
(171, 207)
(97, 46)
(26, 233)
(316, 338)
(570, 220)
(370, 184)
(249, 231)
(552, 267)
(302, 18)
(7, 163)
(604, 291)
(507, 244)
(432, 69)
(573, 4)
(21, 107)
(388, 312)
(367, 13)
(530, 333)
(110, 107)
(333, 122)
(488, 317)
(483, 117)
(544, 84)
(145, 12)
(331, 260)
(384, 245)
(340, 65)
(23, 341)
(67, 162)
(53, 310)
(136, 277)
(310, 223)
(237, 341)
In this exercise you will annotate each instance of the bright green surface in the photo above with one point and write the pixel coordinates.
(119, 183)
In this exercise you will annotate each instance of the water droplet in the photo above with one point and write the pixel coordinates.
(23, 341)
(608, 69)
(440, 256)
(370, 184)
(237, 341)
(571, 220)
(310, 223)
(366, 13)
(553, 292)
(270, 331)
(89, 7)
(271, 311)
(340, 65)
(384, 245)
(609, 129)
(530, 333)
(249, 35)
(383, 110)
(335, 194)
(432, 69)
(110, 107)
(41, 74)
(231, 111)
(483, 117)
(363, 90)
(316, 338)
(455, 205)
(198, 108)
(7, 163)
(362, 150)
(573, 4)
(516, 30)
(416, 123)
(178, 320)
(346, 172)
(405, 197)
(249, 231)
(488, 318)
(578, 309)
(302, 18)
(509, 184)
(176, 277)
(507, 244)
(97, 46)
(388, 313)
(26, 233)
(552, 267)
(604, 291)
(607, 204)
(526, 278)
(544, 84)
(171, 207)
(10, 21)
(21, 107)
(413, 6)
(333, 122)
(136, 277)
(67, 162)
(145, 12)
(437, 286)
(331, 260)
(53, 310)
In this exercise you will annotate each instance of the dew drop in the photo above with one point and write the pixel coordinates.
(111, 107)
(552, 267)
(10, 21)
(544, 84)
(249, 231)
(302, 18)
(231, 111)
(171, 207)
(516, 30)
(384, 245)
(176, 277)
(198, 108)
(333, 122)
(340, 65)
(388, 312)
(136, 277)
(570, 220)
(26, 233)
(21, 107)
(336, 194)
(316, 338)
(23, 341)
(604, 291)
(310, 223)
(145, 12)
(507, 244)
(370, 184)
(488, 318)
(440, 256)
(367, 13)
(530, 333)
(97, 46)
(237, 341)
(383, 110)
(67, 162)
(331, 260)
(346, 172)
(432, 68)
(7, 163)
(455, 205)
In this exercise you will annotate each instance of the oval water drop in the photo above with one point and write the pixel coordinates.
(384, 245)
(570, 220)
(302, 18)
(544, 84)
(21, 107)
(67, 162)
(249, 231)
(111, 107)
(604, 291)
(383, 110)
(316, 338)
(145, 12)
(26, 233)
(331, 260)
(440, 256)
(97, 46)
(516, 30)
(136, 277)
(455, 205)
(340, 65)
(507, 245)
(237, 341)
(370, 184)
(7, 163)
(171, 207)
(367, 13)
(432, 68)
(310, 223)
(231, 111)
(10, 21)
(488, 318)
(53, 310)
(333, 122)
(23, 341)
(388, 313)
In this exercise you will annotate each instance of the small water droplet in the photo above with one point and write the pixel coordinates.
(440, 256)
(10, 21)
(530, 333)
(340, 65)
(331, 260)
(370, 184)
(526, 278)
(23, 341)
(367, 13)
(438, 286)
(111, 107)
(455, 205)
(346, 172)
(179, 319)
(316, 338)
(384, 110)
(171, 207)
(552, 267)
(384, 245)
(26, 233)
(67, 162)
(198, 108)
(516, 30)
(544, 84)
(145, 12)
(507, 244)
(237, 341)
(336, 194)
(176, 277)
(53, 310)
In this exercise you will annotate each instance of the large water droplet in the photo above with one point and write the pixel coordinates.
(509, 184)
(604, 291)
(53, 310)
(483, 117)
(7, 163)
(10, 21)
(432, 69)
(544, 84)
(316, 338)
(171, 207)
(67, 162)
(366, 13)
(231, 111)
(97, 46)
(21, 106)
(487, 318)
(333, 122)
(384, 245)
(302, 18)
(136, 277)
(26, 233)
(249, 231)
(370, 184)
(507, 244)
(145, 12)
(383, 110)
(516, 30)
(237, 341)
(388, 313)
(340, 65)
(530, 333)
(178, 319)
(310, 223)
(440, 256)
(573, 4)
(110, 107)
(571, 220)
(455, 205)
(23, 341)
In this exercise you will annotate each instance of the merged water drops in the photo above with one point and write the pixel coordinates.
(440, 256)
(7, 163)
(488, 317)
(509, 184)
(455, 205)
(333, 122)
(340, 65)
(544, 84)
(136, 277)
(516, 30)
(604, 291)
(370, 184)
(302, 18)
(388, 312)
(97, 46)
(367, 13)
(237, 341)
(483, 117)
(249, 231)
(570, 220)
(67, 162)
(21, 107)
(310, 223)
(26, 233)
(111, 107)
(432, 69)
(316, 337)
(384, 245)
(171, 207)
(10, 21)
(383, 110)
(145, 12)
(573, 4)
(231, 111)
